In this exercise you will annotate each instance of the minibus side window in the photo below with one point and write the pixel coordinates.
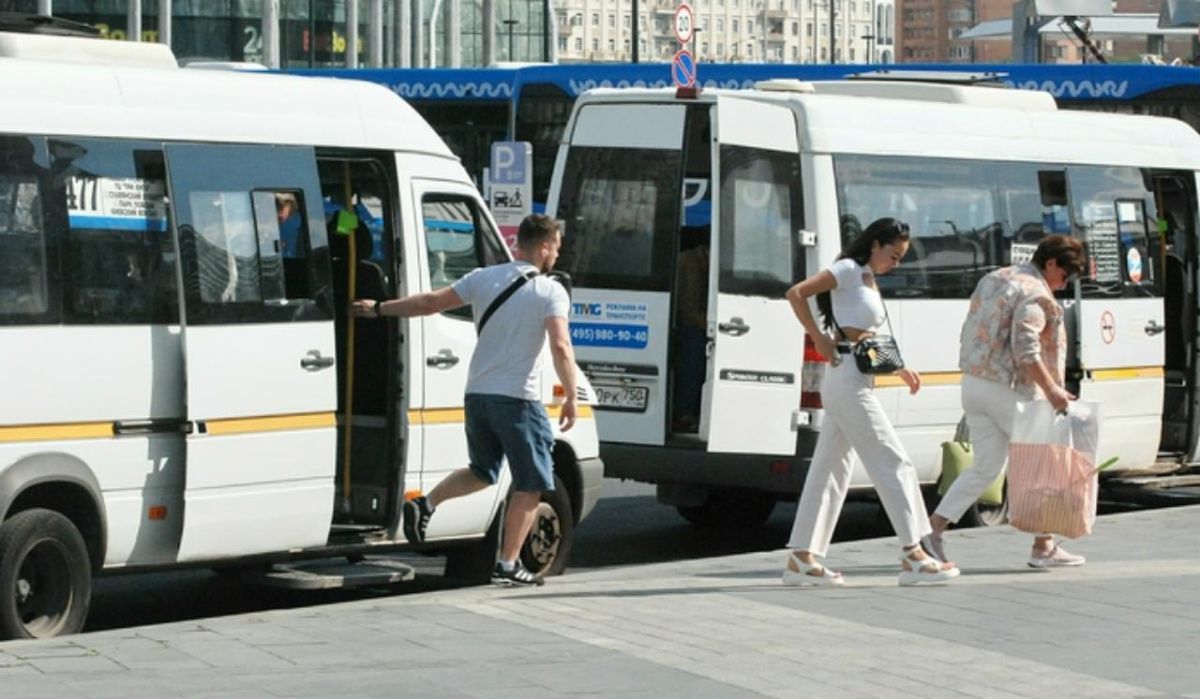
(956, 209)
(457, 240)
(25, 280)
(119, 256)
(1113, 213)
(760, 212)
(621, 207)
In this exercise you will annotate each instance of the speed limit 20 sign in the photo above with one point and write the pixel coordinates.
(684, 22)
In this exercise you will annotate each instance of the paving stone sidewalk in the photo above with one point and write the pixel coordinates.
(1125, 625)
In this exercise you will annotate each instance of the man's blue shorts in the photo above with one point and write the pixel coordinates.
(499, 426)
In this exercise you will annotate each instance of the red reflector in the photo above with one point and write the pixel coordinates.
(780, 467)
(157, 512)
(811, 399)
(810, 351)
(687, 93)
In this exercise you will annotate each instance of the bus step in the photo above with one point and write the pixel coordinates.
(329, 574)
(1158, 482)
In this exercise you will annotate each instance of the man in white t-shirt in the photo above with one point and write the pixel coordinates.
(504, 413)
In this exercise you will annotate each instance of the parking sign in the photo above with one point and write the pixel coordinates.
(510, 161)
(509, 190)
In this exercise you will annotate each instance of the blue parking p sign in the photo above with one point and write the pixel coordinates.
(510, 162)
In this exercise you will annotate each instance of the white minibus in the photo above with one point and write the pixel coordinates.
(774, 181)
(182, 384)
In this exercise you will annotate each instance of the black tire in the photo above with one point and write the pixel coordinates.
(981, 515)
(472, 564)
(548, 547)
(45, 576)
(731, 509)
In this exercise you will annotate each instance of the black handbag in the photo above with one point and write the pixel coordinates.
(877, 354)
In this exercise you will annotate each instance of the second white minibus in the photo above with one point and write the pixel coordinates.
(774, 181)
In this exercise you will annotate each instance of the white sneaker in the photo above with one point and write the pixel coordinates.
(1058, 557)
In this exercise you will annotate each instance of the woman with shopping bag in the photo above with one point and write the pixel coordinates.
(853, 310)
(1013, 349)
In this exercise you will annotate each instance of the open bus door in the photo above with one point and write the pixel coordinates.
(752, 396)
(258, 337)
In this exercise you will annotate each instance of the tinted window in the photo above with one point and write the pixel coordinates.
(1113, 213)
(621, 208)
(25, 290)
(252, 233)
(760, 214)
(967, 217)
(458, 239)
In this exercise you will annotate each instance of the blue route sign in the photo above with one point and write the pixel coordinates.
(683, 68)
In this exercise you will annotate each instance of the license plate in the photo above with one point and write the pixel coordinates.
(632, 398)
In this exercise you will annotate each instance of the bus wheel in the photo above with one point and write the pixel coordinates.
(45, 576)
(983, 515)
(731, 509)
(548, 545)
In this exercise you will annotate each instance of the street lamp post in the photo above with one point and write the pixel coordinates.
(510, 23)
(870, 39)
(695, 42)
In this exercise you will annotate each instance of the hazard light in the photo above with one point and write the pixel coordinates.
(811, 376)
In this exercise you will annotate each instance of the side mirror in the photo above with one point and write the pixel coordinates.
(562, 278)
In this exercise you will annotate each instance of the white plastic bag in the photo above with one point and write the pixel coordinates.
(1052, 483)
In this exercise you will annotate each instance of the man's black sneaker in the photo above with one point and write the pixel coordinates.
(517, 577)
(416, 519)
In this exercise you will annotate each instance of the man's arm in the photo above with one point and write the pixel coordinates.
(564, 365)
(423, 304)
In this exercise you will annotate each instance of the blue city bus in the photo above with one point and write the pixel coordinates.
(473, 107)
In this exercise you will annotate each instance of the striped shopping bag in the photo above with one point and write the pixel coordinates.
(1052, 481)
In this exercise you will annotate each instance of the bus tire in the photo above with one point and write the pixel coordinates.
(45, 576)
(548, 546)
(730, 509)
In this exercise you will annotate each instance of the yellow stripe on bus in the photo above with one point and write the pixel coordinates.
(443, 416)
(43, 433)
(1140, 372)
(933, 378)
(270, 423)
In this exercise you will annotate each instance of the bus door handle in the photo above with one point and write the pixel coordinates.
(736, 327)
(444, 359)
(1153, 328)
(313, 361)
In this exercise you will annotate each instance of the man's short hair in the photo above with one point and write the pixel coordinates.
(1065, 250)
(535, 229)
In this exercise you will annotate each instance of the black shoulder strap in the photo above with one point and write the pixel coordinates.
(499, 300)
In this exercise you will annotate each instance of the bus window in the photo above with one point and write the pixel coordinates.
(119, 256)
(24, 283)
(621, 207)
(542, 112)
(458, 239)
(760, 210)
(959, 211)
(1113, 213)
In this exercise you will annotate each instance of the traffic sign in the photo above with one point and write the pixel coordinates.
(683, 68)
(509, 186)
(510, 161)
(685, 22)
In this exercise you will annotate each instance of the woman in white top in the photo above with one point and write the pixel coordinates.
(850, 302)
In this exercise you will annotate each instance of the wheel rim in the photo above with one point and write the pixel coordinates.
(42, 591)
(545, 537)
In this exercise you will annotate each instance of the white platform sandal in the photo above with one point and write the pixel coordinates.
(925, 571)
(810, 574)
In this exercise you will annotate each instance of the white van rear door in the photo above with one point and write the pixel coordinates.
(258, 337)
(752, 396)
(620, 200)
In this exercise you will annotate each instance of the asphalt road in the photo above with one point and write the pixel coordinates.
(628, 527)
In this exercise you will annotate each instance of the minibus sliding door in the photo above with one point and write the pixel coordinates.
(752, 395)
(258, 339)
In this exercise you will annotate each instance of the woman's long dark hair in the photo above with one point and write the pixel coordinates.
(884, 231)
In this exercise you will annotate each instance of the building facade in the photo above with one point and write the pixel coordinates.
(313, 33)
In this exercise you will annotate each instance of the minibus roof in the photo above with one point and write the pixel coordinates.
(887, 125)
(153, 99)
